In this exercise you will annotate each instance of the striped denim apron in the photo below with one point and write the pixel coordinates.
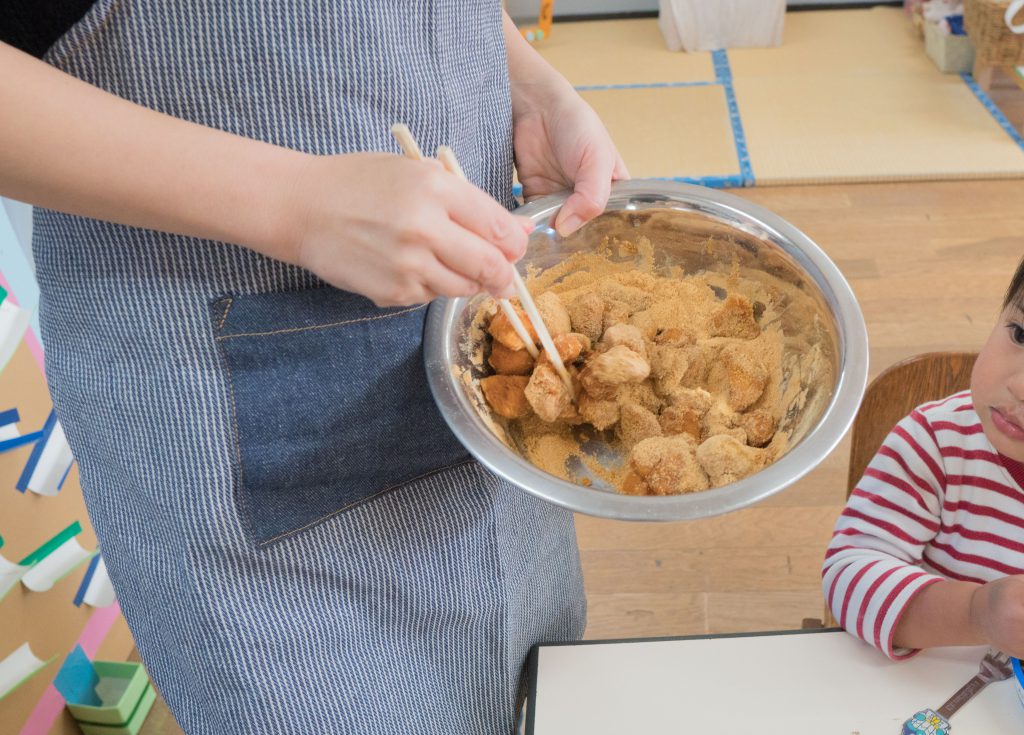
(298, 543)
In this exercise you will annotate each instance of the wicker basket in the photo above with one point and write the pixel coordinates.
(994, 43)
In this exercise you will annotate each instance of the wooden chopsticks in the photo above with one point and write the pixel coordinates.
(447, 158)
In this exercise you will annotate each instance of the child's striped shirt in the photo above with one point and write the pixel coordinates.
(936, 502)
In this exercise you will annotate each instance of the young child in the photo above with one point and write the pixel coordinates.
(930, 548)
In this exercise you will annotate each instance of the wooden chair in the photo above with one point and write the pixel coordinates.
(891, 396)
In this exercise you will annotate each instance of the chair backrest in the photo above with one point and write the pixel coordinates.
(896, 392)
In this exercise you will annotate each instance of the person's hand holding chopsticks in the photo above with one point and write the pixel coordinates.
(403, 232)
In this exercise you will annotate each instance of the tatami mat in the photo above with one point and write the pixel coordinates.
(664, 131)
(871, 129)
(620, 52)
(845, 42)
(849, 96)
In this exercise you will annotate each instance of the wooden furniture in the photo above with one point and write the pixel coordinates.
(995, 44)
(896, 392)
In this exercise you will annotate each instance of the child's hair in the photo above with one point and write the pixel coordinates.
(1015, 293)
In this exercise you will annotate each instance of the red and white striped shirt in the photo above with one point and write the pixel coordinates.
(937, 502)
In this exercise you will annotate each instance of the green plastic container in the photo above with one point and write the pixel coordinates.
(134, 723)
(129, 679)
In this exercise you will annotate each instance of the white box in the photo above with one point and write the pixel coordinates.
(707, 25)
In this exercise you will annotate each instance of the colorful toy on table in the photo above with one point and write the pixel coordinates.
(927, 722)
(995, 666)
(105, 697)
(542, 29)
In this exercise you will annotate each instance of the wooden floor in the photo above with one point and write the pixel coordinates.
(929, 263)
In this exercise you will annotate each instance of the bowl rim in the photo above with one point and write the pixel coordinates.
(798, 461)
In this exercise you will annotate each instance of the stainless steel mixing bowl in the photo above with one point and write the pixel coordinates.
(701, 230)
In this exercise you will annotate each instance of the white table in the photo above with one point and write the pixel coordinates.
(799, 683)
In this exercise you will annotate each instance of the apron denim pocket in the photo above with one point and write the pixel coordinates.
(330, 404)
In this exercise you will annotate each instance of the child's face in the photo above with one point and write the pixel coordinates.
(997, 384)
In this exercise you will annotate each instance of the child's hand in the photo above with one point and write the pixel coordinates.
(997, 612)
(400, 231)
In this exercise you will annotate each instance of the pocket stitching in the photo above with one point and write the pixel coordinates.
(224, 317)
(360, 501)
(240, 494)
(317, 326)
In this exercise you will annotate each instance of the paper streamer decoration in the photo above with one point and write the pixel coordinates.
(46, 549)
(95, 589)
(10, 575)
(47, 572)
(9, 424)
(10, 437)
(19, 441)
(18, 668)
(54, 559)
(50, 461)
(77, 679)
(13, 323)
